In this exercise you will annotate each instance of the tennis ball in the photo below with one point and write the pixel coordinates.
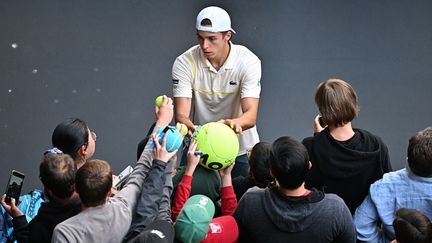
(159, 100)
(182, 128)
(219, 145)
(174, 138)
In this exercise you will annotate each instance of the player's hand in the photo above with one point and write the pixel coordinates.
(11, 208)
(182, 128)
(160, 152)
(234, 126)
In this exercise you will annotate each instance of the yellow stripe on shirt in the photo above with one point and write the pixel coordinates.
(213, 91)
(193, 66)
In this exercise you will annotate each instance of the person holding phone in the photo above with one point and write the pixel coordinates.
(14, 186)
(345, 160)
(57, 173)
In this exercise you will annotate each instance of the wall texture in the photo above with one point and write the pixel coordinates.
(106, 61)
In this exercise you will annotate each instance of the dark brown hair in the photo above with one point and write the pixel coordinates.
(411, 226)
(420, 153)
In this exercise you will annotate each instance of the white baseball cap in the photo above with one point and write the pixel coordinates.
(219, 18)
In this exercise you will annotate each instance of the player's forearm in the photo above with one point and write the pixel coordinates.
(185, 120)
(246, 121)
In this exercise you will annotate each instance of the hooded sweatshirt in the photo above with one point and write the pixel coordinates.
(40, 229)
(346, 168)
(266, 215)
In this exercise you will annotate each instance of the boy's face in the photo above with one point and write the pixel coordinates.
(213, 44)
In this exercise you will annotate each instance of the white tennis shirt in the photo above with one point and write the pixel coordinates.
(216, 94)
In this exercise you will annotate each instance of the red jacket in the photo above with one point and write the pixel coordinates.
(228, 205)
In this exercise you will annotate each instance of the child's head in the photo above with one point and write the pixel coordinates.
(259, 164)
(193, 220)
(93, 182)
(411, 226)
(57, 173)
(337, 102)
(289, 162)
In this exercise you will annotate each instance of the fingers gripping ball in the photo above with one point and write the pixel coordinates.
(158, 101)
(174, 138)
(219, 145)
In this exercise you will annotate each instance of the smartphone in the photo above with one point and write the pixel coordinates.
(321, 121)
(13, 189)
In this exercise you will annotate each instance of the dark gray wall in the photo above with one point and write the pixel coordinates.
(106, 61)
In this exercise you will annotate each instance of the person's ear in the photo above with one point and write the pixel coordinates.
(228, 36)
(109, 193)
(82, 151)
(310, 165)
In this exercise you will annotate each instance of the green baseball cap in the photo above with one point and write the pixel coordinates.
(193, 221)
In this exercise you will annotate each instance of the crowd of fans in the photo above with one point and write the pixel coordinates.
(336, 186)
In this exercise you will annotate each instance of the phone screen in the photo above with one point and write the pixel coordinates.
(14, 186)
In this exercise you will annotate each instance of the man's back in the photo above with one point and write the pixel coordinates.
(357, 162)
(398, 189)
(266, 215)
(107, 223)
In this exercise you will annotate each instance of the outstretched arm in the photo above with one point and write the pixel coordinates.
(228, 198)
(184, 187)
(151, 194)
(133, 187)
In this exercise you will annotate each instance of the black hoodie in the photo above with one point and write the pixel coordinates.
(40, 229)
(266, 215)
(346, 168)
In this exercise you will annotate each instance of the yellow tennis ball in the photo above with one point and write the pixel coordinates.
(182, 128)
(159, 100)
(219, 145)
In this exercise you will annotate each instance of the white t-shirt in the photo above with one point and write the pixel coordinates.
(216, 94)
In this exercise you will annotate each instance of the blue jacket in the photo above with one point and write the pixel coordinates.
(30, 204)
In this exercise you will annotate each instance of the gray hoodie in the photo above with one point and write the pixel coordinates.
(266, 215)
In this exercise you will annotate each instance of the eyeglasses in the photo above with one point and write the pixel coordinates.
(94, 136)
